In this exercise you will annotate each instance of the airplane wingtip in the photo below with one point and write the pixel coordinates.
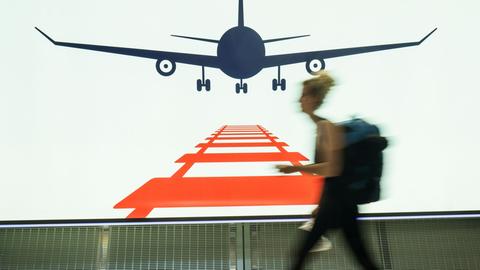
(423, 39)
(45, 35)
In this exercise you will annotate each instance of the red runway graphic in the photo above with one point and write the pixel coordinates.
(180, 191)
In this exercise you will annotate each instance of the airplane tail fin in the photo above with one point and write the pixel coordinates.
(240, 13)
(285, 38)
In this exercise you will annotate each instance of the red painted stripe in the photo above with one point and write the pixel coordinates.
(240, 126)
(241, 157)
(243, 144)
(184, 169)
(140, 213)
(240, 133)
(242, 130)
(242, 138)
(225, 191)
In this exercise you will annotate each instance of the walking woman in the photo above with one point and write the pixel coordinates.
(336, 208)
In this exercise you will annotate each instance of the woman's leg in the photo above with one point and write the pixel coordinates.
(319, 228)
(352, 235)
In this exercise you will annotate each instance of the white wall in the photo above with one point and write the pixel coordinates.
(80, 130)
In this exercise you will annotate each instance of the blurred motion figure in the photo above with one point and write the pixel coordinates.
(337, 207)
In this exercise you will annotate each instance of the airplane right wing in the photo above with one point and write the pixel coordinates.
(185, 58)
(292, 58)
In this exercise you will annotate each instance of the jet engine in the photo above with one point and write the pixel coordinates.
(165, 67)
(315, 65)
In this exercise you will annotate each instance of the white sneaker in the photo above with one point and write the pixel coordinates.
(323, 244)
(307, 225)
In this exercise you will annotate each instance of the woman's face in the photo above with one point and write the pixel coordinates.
(308, 102)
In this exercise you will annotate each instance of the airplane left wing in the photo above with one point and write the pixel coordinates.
(185, 58)
(292, 58)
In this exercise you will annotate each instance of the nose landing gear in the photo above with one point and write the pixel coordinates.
(241, 86)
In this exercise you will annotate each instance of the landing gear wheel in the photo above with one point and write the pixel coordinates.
(207, 84)
(237, 88)
(245, 88)
(283, 84)
(274, 84)
(199, 85)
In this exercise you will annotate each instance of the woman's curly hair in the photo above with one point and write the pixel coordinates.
(320, 85)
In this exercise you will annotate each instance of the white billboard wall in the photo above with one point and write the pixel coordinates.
(81, 130)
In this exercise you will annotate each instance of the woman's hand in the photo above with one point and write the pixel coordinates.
(286, 168)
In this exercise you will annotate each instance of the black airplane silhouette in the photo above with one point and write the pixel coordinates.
(240, 55)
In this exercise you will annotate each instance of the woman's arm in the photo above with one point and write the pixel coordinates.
(331, 145)
(316, 168)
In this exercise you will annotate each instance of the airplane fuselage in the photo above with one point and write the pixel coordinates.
(241, 52)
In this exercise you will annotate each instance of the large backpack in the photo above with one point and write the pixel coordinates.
(363, 160)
